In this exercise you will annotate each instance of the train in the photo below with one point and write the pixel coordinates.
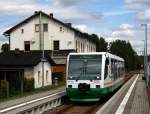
(91, 76)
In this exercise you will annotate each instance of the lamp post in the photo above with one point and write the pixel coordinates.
(145, 57)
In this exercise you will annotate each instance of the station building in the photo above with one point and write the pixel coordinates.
(39, 32)
(43, 31)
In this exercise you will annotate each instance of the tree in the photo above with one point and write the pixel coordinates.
(5, 47)
(102, 46)
(95, 39)
(124, 50)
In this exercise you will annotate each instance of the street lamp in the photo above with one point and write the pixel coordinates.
(145, 48)
(143, 52)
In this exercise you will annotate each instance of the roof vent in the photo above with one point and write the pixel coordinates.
(51, 15)
(69, 24)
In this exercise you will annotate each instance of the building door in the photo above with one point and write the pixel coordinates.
(56, 45)
(27, 45)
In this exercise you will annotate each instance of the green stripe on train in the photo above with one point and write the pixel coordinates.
(94, 94)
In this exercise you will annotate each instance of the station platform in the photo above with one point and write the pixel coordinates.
(132, 98)
(138, 102)
(23, 99)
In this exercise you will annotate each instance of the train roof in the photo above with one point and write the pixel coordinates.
(100, 53)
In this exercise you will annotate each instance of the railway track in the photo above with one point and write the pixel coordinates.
(80, 108)
(85, 108)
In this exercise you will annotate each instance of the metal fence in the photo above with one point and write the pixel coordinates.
(147, 73)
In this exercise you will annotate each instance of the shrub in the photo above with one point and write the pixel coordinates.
(3, 89)
(28, 85)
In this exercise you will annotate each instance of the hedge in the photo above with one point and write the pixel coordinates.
(28, 85)
(3, 89)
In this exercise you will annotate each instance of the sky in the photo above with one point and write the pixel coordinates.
(111, 19)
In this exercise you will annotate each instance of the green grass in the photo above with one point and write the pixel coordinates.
(148, 85)
(35, 91)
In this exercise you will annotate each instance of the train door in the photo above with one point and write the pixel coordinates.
(113, 74)
(112, 70)
(107, 68)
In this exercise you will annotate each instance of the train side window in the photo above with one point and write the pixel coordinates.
(118, 65)
(106, 68)
(112, 68)
(115, 70)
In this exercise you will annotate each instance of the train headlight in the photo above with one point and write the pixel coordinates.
(69, 86)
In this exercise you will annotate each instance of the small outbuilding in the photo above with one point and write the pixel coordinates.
(17, 66)
(60, 59)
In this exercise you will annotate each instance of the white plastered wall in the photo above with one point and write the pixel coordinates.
(38, 68)
(17, 38)
(87, 45)
(65, 37)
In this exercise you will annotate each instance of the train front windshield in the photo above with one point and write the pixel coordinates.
(84, 67)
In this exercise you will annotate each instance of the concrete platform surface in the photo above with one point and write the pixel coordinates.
(131, 98)
(138, 102)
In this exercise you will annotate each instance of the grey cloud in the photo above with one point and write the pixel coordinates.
(141, 7)
(69, 3)
(17, 7)
(73, 14)
(142, 2)
(114, 13)
(81, 17)
(133, 34)
(137, 4)
(3, 39)
(144, 15)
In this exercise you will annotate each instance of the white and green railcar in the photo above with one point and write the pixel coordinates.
(90, 76)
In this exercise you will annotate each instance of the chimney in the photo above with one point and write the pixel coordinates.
(35, 12)
(51, 15)
(69, 24)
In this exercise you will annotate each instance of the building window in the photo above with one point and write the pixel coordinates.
(45, 27)
(87, 48)
(47, 76)
(27, 45)
(79, 45)
(60, 29)
(76, 45)
(22, 31)
(38, 76)
(83, 47)
(56, 45)
(37, 28)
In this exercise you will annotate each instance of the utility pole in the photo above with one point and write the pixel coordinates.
(42, 45)
(145, 47)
